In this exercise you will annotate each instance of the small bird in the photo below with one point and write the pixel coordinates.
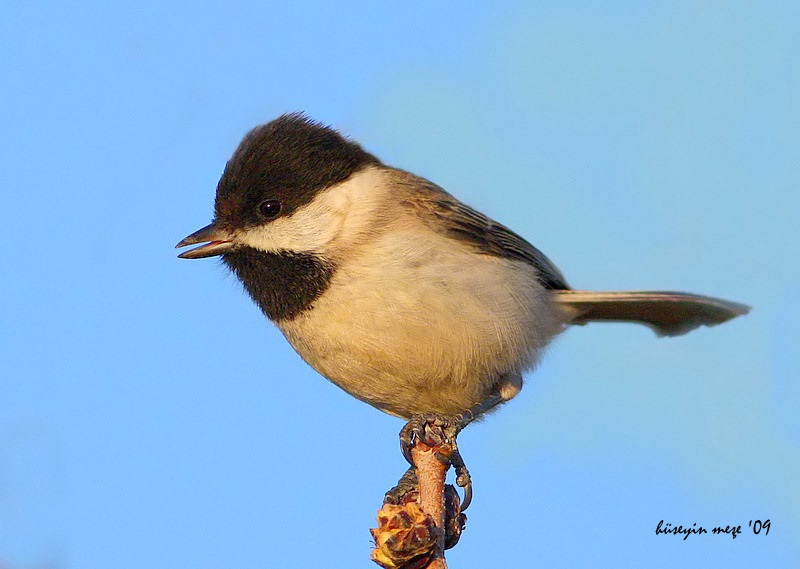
(393, 289)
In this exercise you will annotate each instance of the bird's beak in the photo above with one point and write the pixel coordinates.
(217, 241)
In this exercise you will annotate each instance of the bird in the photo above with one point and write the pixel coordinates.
(392, 288)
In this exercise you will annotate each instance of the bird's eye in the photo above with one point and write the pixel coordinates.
(270, 208)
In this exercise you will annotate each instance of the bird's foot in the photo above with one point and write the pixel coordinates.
(437, 431)
(431, 429)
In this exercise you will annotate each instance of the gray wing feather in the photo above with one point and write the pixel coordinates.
(486, 235)
(667, 313)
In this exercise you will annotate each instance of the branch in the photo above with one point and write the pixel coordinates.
(431, 473)
(414, 532)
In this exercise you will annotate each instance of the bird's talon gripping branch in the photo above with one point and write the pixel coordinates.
(413, 525)
(430, 429)
(437, 431)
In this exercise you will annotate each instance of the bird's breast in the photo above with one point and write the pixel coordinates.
(419, 323)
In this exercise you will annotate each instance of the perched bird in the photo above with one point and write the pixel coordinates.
(393, 289)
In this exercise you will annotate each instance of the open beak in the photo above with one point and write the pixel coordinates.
(217, 242)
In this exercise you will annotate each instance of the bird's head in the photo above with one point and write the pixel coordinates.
(273, 194)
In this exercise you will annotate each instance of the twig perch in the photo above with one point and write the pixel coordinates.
(431, 473)
(414, 533)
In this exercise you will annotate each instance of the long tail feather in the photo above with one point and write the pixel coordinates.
(667, 313)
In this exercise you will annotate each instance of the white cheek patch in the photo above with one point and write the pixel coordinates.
(331, 220)
(309, 229)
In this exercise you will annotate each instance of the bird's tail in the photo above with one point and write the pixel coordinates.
(667, 313)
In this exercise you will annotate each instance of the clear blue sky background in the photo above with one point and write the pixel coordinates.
(150, 417)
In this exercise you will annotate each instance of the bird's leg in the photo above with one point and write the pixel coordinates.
(433, 429)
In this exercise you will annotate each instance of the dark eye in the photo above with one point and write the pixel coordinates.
(270, 208)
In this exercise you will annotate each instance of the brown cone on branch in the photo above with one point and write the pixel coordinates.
(414, 533)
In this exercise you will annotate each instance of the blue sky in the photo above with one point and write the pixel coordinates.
(149, 416)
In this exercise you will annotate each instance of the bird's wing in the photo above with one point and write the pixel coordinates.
(462, 222)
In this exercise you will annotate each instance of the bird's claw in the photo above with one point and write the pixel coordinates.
(430, 429)
(435, 430)
(463, 478)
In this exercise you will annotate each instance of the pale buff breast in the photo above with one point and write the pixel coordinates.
(417, 318)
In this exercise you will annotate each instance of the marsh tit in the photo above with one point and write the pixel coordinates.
(393, 289)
